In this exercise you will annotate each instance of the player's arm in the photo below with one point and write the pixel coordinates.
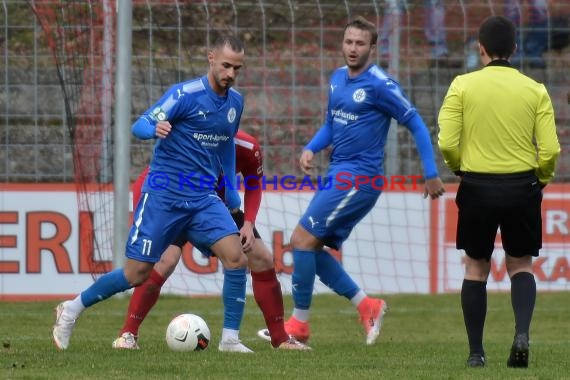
(252, 171)
(320, 140)
(154, 122)
(433, 185)
(228, 162)
(422, 138)
(450, 123)
(392, 101)
(546, 140)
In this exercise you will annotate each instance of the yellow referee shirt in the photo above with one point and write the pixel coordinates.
(497, 120)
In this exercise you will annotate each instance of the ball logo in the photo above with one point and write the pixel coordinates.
(202, 342)
(359, 95)
(232, 115)
(181, 337)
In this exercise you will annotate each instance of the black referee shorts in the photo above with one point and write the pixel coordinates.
(510, 202)
(238, 216)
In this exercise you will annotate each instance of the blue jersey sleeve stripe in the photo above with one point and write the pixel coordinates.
(193, 86)
(168, 103)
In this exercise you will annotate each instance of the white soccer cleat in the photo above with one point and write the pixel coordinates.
(264, 334)
(296, 329)
(127, 341)
(63, 327)
(233, 345)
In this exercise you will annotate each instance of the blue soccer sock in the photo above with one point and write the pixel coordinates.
(333, 275)
(303, 278)
(233, 294)
(107, 285)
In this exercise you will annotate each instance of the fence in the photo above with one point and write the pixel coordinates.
(292, 46)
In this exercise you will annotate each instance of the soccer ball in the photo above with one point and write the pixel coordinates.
(187, 332)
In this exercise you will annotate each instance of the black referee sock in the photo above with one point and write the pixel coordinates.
(523, 298)
(474, 305)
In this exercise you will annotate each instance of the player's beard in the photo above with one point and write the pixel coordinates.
(227, 83)
(359, 63)
(224, 83)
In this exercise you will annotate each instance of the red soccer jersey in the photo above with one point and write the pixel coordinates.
(249, 163)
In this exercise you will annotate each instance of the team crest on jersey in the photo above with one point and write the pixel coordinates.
(232, 115)
(158, 114)
(359, 95)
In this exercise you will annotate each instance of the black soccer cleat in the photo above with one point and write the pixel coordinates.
(519, 352)
(476, 360)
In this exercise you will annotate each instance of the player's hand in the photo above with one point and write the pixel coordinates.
(247, 237)
(163, 128)
(306, 161)
(434, 188)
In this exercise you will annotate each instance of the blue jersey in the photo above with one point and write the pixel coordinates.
(358, 118)
(200, 145)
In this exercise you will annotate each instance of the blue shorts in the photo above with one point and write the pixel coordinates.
(334, 212)
(158, 222)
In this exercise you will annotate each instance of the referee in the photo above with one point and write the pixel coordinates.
(497, 133)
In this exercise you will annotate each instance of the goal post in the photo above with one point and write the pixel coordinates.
(122, 131)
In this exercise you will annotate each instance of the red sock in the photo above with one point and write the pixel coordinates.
(267, 294)
(143, 299)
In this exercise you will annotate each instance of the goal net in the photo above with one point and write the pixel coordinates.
(80, 35)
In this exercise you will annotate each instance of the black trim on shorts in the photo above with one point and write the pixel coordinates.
(239, 218)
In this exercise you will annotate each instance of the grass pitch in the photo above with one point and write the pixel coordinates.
(423, 338)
